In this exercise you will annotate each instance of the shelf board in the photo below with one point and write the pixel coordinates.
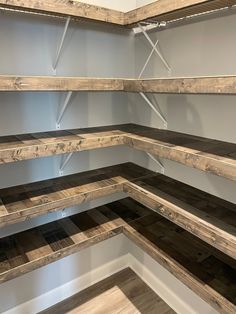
(171, 10)
(221, 85)
(204, 270)
(216, 157)
(54, 83)
(207, 217)
(31, 200)
(158, 11)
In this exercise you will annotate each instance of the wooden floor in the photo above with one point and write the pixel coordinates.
(123, 292)
(213, 156)
(205, 270)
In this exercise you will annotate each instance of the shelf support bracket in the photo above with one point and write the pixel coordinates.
(63, 109)
(158, 162)
(154, 47)
(64, 162)
(59, 50)
(150, 104)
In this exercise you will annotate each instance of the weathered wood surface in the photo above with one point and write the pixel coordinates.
(52, 83)
(205, 216)
(27, 201)
(208, 155)
(203, 269)
(194, 85)
(170, 10)
(138, 298)
(187, 85)
(66, 8)
(162, 10)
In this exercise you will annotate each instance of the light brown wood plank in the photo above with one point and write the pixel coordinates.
(124, 291)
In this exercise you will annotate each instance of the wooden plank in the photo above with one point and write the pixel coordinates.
(205, 270)
(187, 85)
(138, 298)
(35, 199)
(67, 8)
(216, 157)
(170, 10)
(197, 217)
(51, 83)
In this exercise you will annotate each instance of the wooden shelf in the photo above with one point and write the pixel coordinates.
(222, 85)
(208, 217)
(203, 269)
(216, 157)
(30, 200)
(171, 10)
(53, 83)
(159, 11)
(184, 85)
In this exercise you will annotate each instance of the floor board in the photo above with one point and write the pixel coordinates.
(123, 292)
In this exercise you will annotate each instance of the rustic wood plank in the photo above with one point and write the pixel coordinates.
(170, 10)
(216, 157)
(66, 8)
(207, 217)
(187, 85)
(51, 83)
(208, 272)
(35, 199)
(126, 293)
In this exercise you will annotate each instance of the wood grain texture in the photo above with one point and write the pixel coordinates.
(158, 11)
(27, 201)
(216, 157)
(67, 8)
(194, 85)
(52, 83)
(205, 216)
(205, 270)
(125, 291)
(187, 85)
(170, 10)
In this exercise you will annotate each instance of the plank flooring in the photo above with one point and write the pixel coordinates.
(216, 157)
(208, 272)
(158, 11)
(185, 85)
(124, 291)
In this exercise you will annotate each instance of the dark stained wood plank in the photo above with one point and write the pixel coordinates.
(125, 291)
(30, 200)
(207, 217)
(216, 157)
(208, 272)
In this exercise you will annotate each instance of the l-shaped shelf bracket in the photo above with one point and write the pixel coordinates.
(63, 109)
(59, 50)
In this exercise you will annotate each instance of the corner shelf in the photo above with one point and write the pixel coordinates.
(203, 269)
(216, 157)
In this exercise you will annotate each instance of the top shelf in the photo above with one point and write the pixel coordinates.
(158, 11)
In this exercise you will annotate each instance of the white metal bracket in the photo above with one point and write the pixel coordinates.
(158, 162)
(150, 104)
(62, 109)
(60, 46)
(64, 161)
(154, 47)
